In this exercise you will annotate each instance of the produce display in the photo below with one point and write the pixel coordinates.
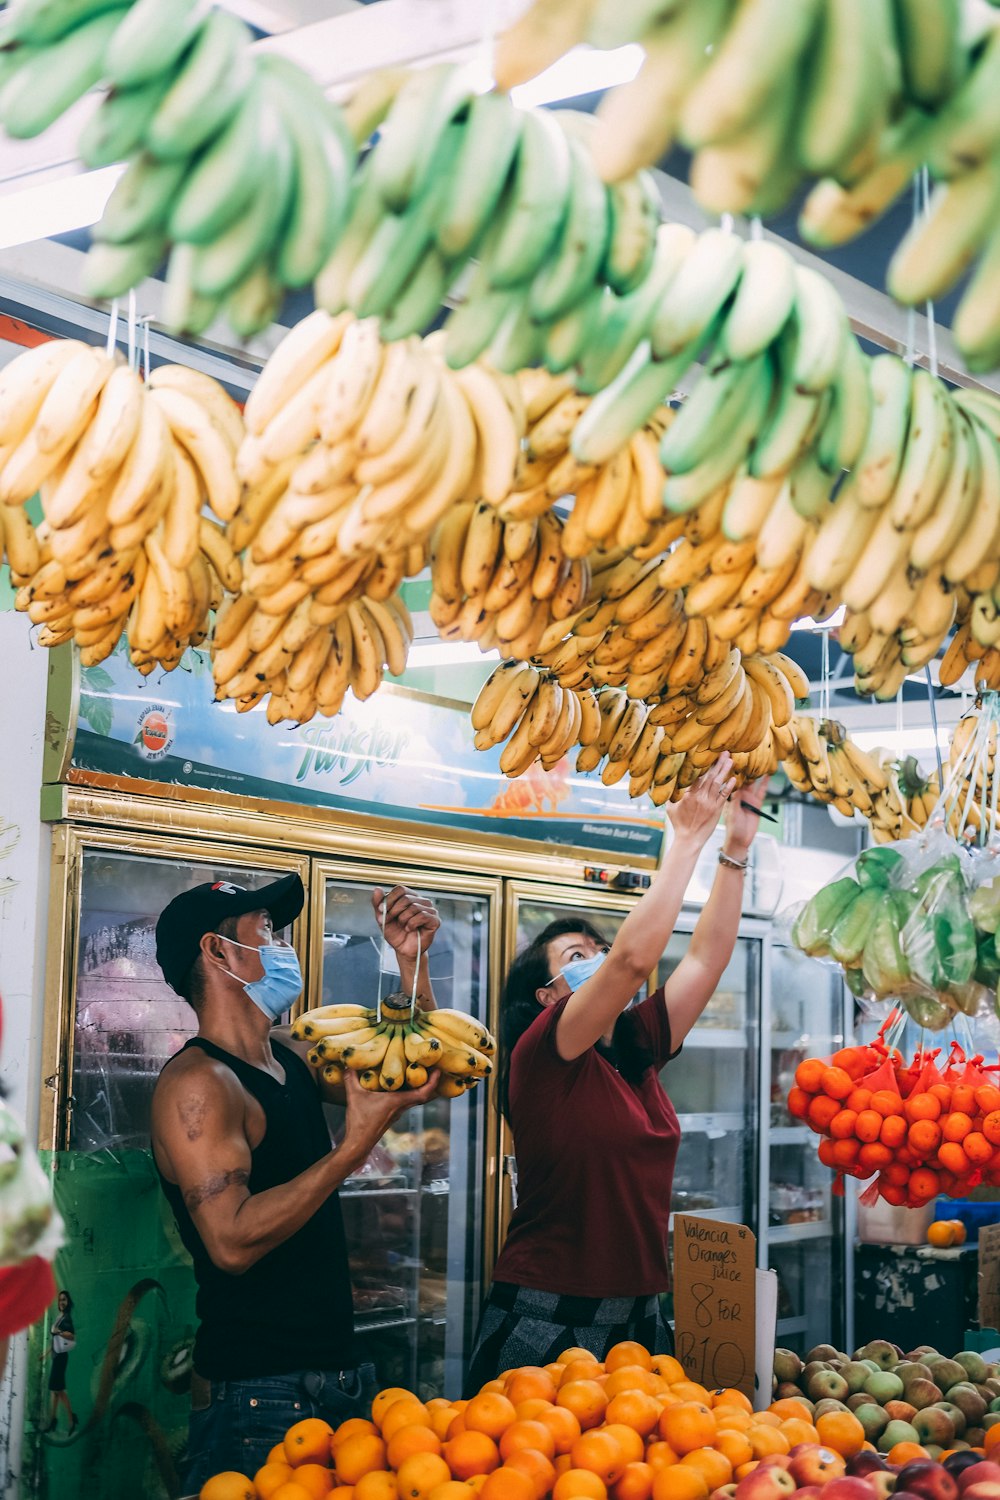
(633, 1427)
(857, 96)
(395, 1044)
(825, 763)
(125, 473)
(945, 1402)
(919, 1131)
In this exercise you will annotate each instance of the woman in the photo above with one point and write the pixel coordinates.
(595, 1134)
(63, 1337)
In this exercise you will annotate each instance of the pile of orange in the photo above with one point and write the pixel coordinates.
(919, 1140)
(630, 1428)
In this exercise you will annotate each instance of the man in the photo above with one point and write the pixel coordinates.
(244, 1156)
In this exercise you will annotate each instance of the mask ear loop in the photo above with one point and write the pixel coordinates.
(416, 977)
(381, 920)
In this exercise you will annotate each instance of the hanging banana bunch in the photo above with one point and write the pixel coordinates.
(396, 1045)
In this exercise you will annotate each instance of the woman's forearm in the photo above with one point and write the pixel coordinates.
(647, 929)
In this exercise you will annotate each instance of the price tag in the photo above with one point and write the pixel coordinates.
(715, 1303)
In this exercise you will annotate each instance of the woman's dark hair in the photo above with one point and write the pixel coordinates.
(518, 1005)
(69, 1300)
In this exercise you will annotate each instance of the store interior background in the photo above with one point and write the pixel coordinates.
(742, 1156)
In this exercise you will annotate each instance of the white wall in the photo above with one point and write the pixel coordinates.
(24, 886)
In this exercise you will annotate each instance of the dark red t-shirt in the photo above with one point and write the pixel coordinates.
(595, 1165)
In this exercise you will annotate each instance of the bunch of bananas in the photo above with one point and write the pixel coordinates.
(965, 651)
(826, 764)
(234, 159)
(124, 473)
(542, 719)
(307, 665)
(397, 1045)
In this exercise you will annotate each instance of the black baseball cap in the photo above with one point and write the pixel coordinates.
(183, 924)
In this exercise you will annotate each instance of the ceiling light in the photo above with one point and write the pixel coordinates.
(448, 654)
(585, 70)
(902, 739)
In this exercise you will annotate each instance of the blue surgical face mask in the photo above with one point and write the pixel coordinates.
(579, 970)
(281, 982)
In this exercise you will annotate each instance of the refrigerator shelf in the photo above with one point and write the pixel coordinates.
(790, 1234)
(377, 1325)
(817, 1042)
(381, 1192)
(718, 1036)
(708, 1122)
(791, 1135)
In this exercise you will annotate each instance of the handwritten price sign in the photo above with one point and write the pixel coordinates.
(715, 1302)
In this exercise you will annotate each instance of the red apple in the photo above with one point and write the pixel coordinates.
(924, 1477)
(883, 1482)
(955, 1463)
(811, 1463)
(776, 1461)
(983, 1472)
(848, 1488)
(766, 1483)
(864, 1463)
(983, 1489)
(809, 1492)
(724, 1492)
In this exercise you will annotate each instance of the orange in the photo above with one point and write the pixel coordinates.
(575, 1352)
(764, 1419)
(734, 1445)
(960, 1231)
(841, 1431)
(667, 1367)
(527, 1435)
(679, 1483)
(277, 1455)
(727, 1396)
(291, 1491)
(601, 1454)
(922, 1107)
(490, 1413)
(893, 1132)
(874, 1156)
(500, 1384)
(342, 1492)
(538, 1467)
(385, 1399)
(822, 1111)
(634, 1409)
(359, 1456)
(353, 1427)
(585, 1399)
(660, 1455)
(887, 1102)
(923, 1183)
(765, 1440)
(456, 1426)
(269, 1476)
(377, 1484)
(941, 1234)
(713, 1465)
(628, 1353)
(798, 1430)
(904, 1453)
(529, 1382)
(227, 1486)
(690, 1390)
(837, 1084)
(584, 1483)
(868, 1125)
(842, 1124)
(580, 1369)
(317, 1479)
(745, 1469)
(631, 1378)
(406, 1441)
(471, 1453)
(809, 1075)
(977, 1148)
(798, 1103)
(532, 1409)
(924, 1137)
(632, 1446)
(636, 1483)
(791, 1406)
(308, 1442)
(441, 1418)
(687, 1427)
(953, 1158)
(452, 1490)
(827, 1151)
(845, 1153)
(563, 1426)
(408, 1412)
(992, 1437)
(507, 1484)
(956, 1126)
(732, 1418)
(987, 1098)
(420, 1474)
(860, 1099)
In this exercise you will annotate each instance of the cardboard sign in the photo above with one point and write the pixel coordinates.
(989, 1276)
(715, 1302)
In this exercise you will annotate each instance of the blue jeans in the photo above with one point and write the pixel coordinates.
(245, 1418)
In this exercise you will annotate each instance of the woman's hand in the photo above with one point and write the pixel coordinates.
(406, 916)
(741, 823)
(698, 811)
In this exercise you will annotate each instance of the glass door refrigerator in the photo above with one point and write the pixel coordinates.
(417, 1216)
(804, 1233)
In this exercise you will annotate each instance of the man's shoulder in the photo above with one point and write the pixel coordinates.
(192, 1067)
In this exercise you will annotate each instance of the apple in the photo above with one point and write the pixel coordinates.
(956, 1414)
(831, 1386)
(811, 1491)
(883, 1482)
(994, 1384)
(850, 1487)
(948, 1372)
(969, 1401)
(898, 1432)
(787, 1365)
(724, 1492)
(813, 1464)
(956, 1462)
(991, 1419)
(900, 1411)
(921, 1393)
(983, 1472)
(776, 1461)
(855, 1372)
(974, 1364)
(975, 1436)
(933, 1450)
(813, 1368)
(912, 1369)
(885, 1355)
(934, 1426)
(788, 1391)
(924, 1477)
(985, 1489)
(921, 1350)
(823, 1351)
(883, 1387)
(827, 1405)
(855, 1403)
(766, 1482)
(873, 1419)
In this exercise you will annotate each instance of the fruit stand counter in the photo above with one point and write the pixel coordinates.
(922, 1294)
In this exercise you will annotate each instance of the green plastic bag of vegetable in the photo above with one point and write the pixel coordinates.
(878, 866)
(815, 922)
(850, 933)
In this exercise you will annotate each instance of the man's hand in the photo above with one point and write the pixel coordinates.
(370, 1112)
(407, 916)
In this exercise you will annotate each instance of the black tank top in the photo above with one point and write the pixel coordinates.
(264, 1322)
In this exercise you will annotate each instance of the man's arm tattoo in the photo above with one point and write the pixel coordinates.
(213, 1186)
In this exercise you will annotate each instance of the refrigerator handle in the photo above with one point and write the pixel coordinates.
(510, 1172)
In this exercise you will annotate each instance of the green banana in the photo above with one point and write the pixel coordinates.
(703, 285)
(223, 179)
(518, 343)
(634, 205)
(117, 128)
(491, 136)
(626, 320)
(734, 175)
(418, 303)
(626, 404)
(714, 405)
(927, 457)
(930, 49)
(940, 246)
(365, 213)
(574, 264)
(791, 426)
(184, 311)
(832, 214)
(842, 437)
(411, 135)
(112, 270)
(44, 21)
(141, 199)
(152, 40)
(570, 338)
(534, 205)
(967, 129)
(614, 23)
(474, 324)
(255, 303)
(877, 467)
(682, 492)
(976, 324)
(224, 263)
(844, 93)
(325, 158)
(821, 327)
(210, 87)
(54, 77)
(809, 486)
(763, 303)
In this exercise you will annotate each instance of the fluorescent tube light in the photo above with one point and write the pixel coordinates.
(448, 654)
(585, 70)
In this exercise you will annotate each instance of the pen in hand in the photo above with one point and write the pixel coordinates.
(768, 817)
